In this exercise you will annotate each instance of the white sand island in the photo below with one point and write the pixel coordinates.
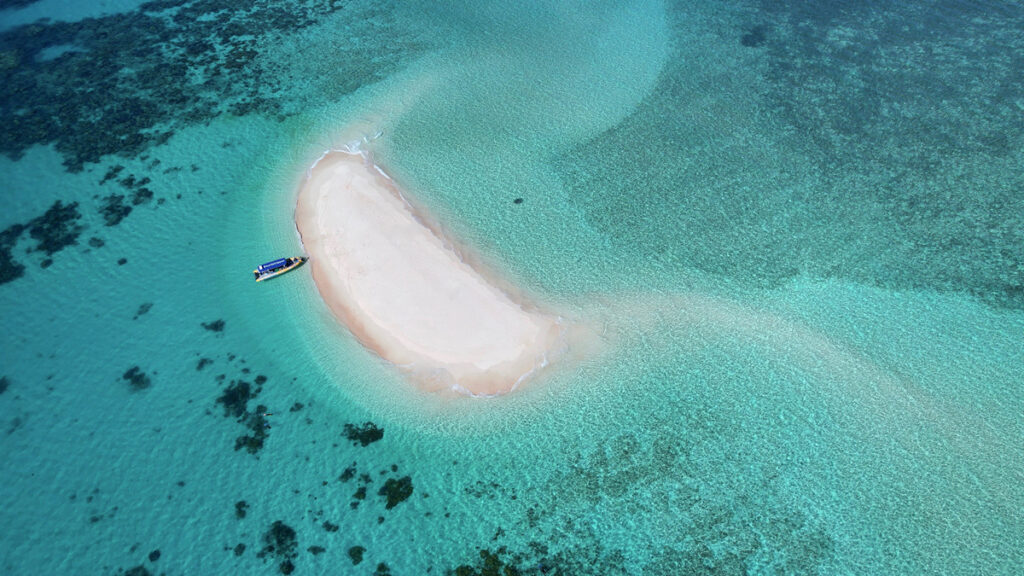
(405, 292)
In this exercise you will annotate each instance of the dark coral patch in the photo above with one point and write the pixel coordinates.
(141, 196)
(316, 550)
(136, 378)
(240, 508)
(236, 398)
(363, 435)
(348, 474)
(54, 230)
(396, 491)
(491, 563)
(143, 308)
(281, 542)
(9, 268)
(129, 84)
(356, 554)
(215, 326)
(113, 209)
(112, 173)
(154, 555)
(4, 383)
(11, 4)
(57, 228)
(754, 37)
(258, 427)
(139, 570)
(203, 363)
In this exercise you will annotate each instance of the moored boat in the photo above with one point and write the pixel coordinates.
(275, 268)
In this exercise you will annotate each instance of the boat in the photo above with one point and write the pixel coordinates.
(275, 268)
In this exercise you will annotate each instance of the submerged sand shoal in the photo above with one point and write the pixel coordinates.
(404, 291)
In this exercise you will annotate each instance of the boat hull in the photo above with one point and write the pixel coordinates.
(296, 262)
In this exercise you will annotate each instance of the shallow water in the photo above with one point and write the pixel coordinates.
(799, 228)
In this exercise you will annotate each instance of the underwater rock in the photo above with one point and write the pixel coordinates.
(363, 435)
(4, 383)
(154, 555)
(517, 201)
(356, 554)
(136, 378)
(203, 363)
(240, 508)
(382, 570)
(139, 570)
(315, 550)
(239, 549)
(396, 491)
(96, 242)
(122, 261)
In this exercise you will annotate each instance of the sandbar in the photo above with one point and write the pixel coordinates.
(405, 290)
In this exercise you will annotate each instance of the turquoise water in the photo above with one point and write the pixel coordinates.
(798, 228)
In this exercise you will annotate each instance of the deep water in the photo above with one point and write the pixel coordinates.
(801, 227)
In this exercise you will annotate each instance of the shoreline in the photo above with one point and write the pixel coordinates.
(407, 292)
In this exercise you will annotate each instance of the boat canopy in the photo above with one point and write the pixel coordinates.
(279, 263)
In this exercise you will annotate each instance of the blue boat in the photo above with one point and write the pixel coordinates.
(275, 268)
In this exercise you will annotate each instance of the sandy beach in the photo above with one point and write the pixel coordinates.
(405, 292)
